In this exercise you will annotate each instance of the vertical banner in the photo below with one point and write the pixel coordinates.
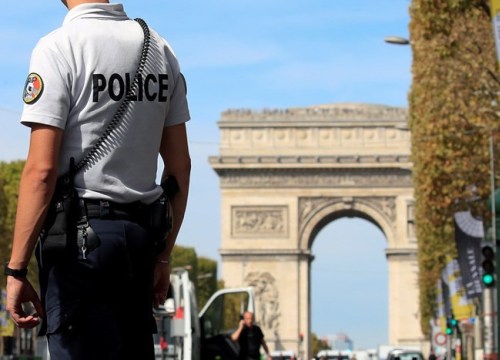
(461, 306)
(495, 16)
(469, 233)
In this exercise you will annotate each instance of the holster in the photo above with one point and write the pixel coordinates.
(160, 222)
(59, 230)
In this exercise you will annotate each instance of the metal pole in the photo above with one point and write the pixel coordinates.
(448, 346)
(495, 295)
(488, 336)
(492, 184)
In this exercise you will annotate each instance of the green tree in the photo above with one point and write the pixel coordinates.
(10, 174)
(184, 257)
(318, 344)
(450, 107)
(207, 280)
(202, 271)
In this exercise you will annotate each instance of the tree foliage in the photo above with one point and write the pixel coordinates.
(453, 103)
(202, 271)
(10, 174)
(207, 280)
(318, 344)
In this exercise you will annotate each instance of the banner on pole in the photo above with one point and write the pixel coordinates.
(462, 307)
(469, 233)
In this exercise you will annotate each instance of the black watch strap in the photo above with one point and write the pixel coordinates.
(17, 273)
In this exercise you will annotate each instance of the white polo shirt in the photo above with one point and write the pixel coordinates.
(79, 75)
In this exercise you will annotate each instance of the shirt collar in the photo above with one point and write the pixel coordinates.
(96, 11)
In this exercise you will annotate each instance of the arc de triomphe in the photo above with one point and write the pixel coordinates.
(284, 175)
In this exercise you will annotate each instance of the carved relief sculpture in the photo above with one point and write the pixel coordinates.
(258, 221)
(267, 299)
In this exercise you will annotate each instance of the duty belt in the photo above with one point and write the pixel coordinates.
(104, 209)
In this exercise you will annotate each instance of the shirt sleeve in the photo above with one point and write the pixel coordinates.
(178, 112)
(46, 93)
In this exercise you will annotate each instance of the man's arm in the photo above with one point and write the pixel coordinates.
(236, 334)
(35, 192)
(174, 151)
(266, 349)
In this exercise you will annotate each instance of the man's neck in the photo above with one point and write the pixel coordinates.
(73, 3)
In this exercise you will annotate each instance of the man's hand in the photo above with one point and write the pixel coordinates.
(20, 291)
(241, 324)
(161, 284)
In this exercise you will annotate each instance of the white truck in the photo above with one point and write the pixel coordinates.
(186, 334)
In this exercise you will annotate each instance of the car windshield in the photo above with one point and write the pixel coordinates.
(407, 356)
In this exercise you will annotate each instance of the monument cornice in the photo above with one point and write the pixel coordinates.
(315, 177)
(244, 253)
(220, 161)
(320, 115)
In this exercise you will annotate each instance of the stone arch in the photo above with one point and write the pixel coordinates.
(285, 174)
(312, 221)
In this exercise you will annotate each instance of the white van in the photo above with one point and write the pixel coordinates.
(186, 334)
(283, 355)
(334, 355)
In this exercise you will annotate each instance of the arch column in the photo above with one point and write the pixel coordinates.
(403, 295)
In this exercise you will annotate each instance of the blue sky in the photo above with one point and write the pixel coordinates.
(257, 54)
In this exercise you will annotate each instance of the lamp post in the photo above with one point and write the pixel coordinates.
(494, 240)
(494, 13)
(397, 40)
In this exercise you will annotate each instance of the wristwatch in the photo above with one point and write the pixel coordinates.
(17, 273)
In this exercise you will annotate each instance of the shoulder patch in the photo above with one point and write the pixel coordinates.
(33, 88)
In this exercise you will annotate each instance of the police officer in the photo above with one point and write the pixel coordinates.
(98, 304)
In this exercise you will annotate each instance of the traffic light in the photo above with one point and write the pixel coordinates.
(488, 265)
(451, 324)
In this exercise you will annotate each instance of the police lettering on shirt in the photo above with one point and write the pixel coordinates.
(151, 88)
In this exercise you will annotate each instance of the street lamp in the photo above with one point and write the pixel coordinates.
(396, 40)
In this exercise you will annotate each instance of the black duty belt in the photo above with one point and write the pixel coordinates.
(103, 209)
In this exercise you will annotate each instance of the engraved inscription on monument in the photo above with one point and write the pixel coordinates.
(259, 221)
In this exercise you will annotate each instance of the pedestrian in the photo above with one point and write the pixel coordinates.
(107, 89)
(250, 338)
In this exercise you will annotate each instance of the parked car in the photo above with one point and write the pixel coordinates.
(334, 355)
(283, 355)
(405, 354)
